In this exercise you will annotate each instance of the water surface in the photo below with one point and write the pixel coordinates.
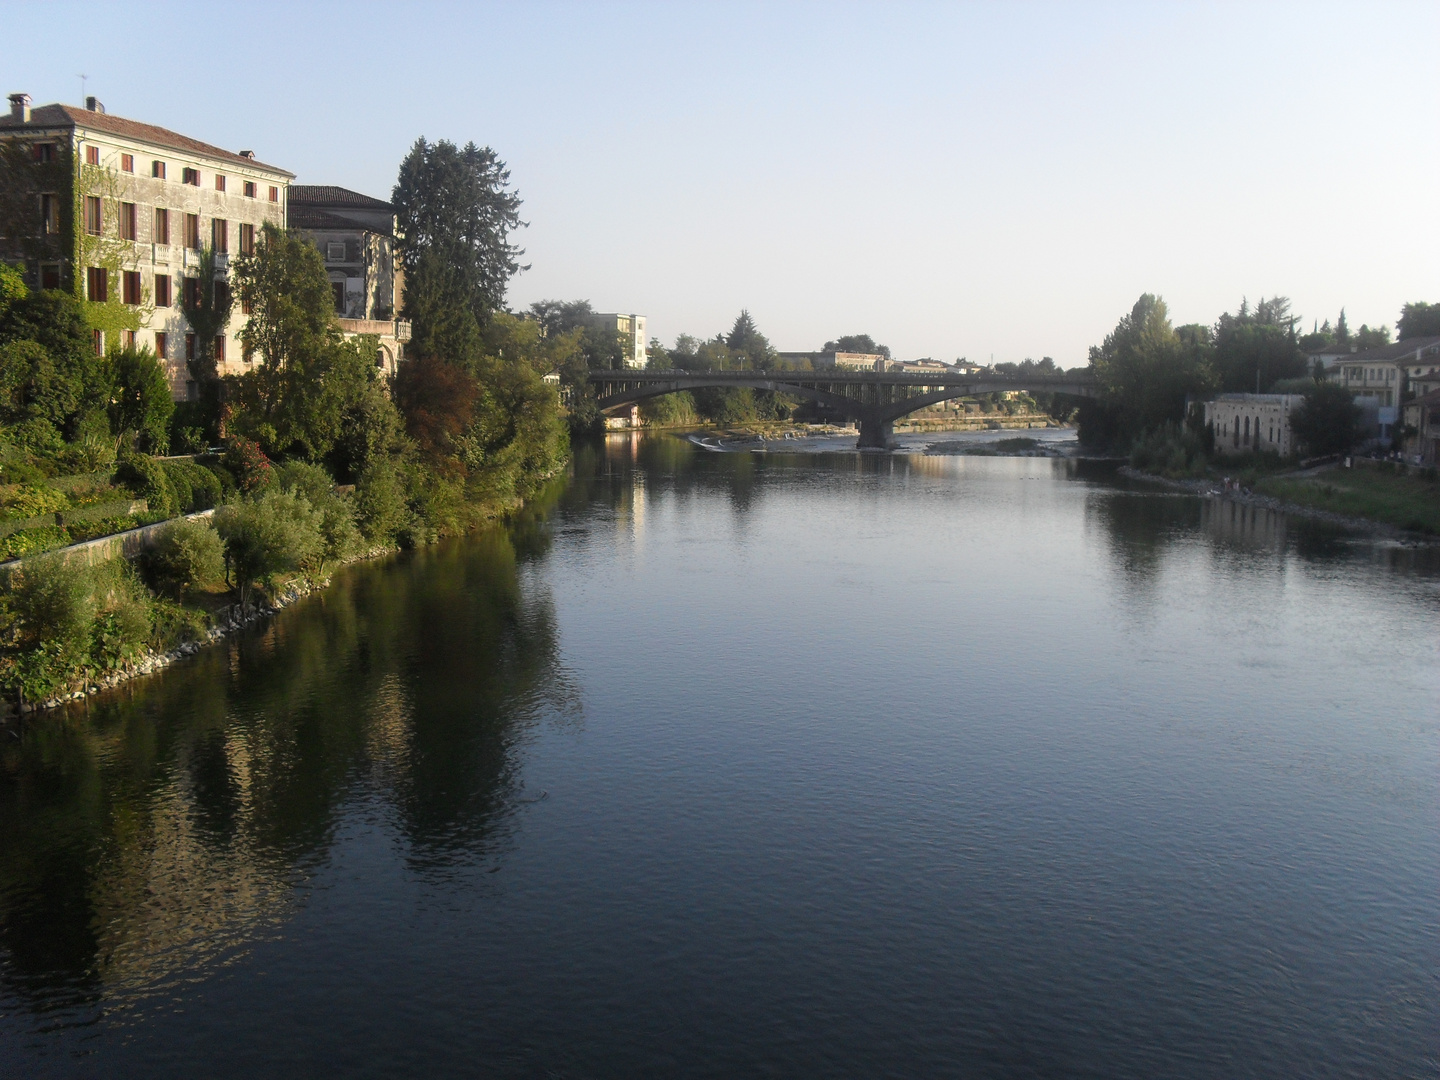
(731, 765)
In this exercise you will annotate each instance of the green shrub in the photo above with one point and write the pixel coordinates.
(248, 464)
(146, 478)
(337, 512)
(32, 500)
(275, 534)
(1170, 450)
(195, 486)
(64, 621)
(187, 554)
(32, 541)
(381, 505)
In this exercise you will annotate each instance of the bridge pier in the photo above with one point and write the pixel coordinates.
(876, 434)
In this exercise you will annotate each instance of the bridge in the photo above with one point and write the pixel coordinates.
(874, 399)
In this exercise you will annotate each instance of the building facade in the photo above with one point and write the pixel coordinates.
(1253, 423)
(119, 212)
(631, 328)
(356, 237)
(1422, 427)
(1381, 380)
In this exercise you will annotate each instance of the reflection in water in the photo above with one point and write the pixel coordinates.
(171, 823)
(890, 764)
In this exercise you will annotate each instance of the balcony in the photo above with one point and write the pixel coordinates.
(399, 329)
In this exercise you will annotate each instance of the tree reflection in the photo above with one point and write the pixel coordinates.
(168, 823)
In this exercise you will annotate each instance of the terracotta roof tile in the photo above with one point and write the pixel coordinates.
(331, 195)
(70, 116)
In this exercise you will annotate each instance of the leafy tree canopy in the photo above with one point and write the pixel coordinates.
(856, 343)
(455, 212)
(1328, 420)
(1419, 319)
(1145, 370)
(748, 347)
(1254, 347)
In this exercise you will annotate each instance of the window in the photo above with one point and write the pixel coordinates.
(162, 341)
(97, 281)
(220, 234)
(220, 349)
(274, 193)
(338, 288)
(192, 177)
(334, 252)
(162, 225)
(157, 170)
(97, 339)
(190, 347)
(94, 215)
(249, 189)
(92, 155)
(127, 221)
(127, 162)
(127, 339)
(50, 276)
(192, 231)
(130, 286)
(222, 294)
(219, 182)
(192, 292)
(50, 215)
(44, 152)
(247, 239)
(162, 290)
(246, 307)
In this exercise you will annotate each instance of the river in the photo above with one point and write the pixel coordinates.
(733, 764)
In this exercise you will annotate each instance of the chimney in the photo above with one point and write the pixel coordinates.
(93, 104)
(248, 154)
(20, 108)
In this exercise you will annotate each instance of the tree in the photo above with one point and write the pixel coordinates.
(1419, 319)
(207, 309)
(49, 372)
(455, 214)
(857, 343)
(1145, 371)
(437, 400)
(1366, 338)
(309, 378)
(1342, 329)
(140, 402)
(1328, 420)
(749, 347)
(1252, 349)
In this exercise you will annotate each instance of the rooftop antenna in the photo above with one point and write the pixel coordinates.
(82, 77)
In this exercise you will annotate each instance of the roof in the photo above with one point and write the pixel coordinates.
(331, 195)
(71, 116)
(1396, 350)
(309, 217)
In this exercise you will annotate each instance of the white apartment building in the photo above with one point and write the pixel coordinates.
(631, 328)
(122, 210)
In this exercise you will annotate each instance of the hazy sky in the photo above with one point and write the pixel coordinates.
(957, 180)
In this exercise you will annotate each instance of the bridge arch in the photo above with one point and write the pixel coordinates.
(875, 400)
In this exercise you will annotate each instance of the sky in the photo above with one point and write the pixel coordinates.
(977, 180)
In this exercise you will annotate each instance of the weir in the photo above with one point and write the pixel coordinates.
(873, 399)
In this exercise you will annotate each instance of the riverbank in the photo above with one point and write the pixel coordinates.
(1309, 500)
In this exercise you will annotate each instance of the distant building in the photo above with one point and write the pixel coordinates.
(631, 329)
(1253, 423)
(1422, 417)
(1380, 376)
(920, 367)
(122, 210)
(356, 237)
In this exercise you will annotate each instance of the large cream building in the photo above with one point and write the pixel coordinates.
(121, 212)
